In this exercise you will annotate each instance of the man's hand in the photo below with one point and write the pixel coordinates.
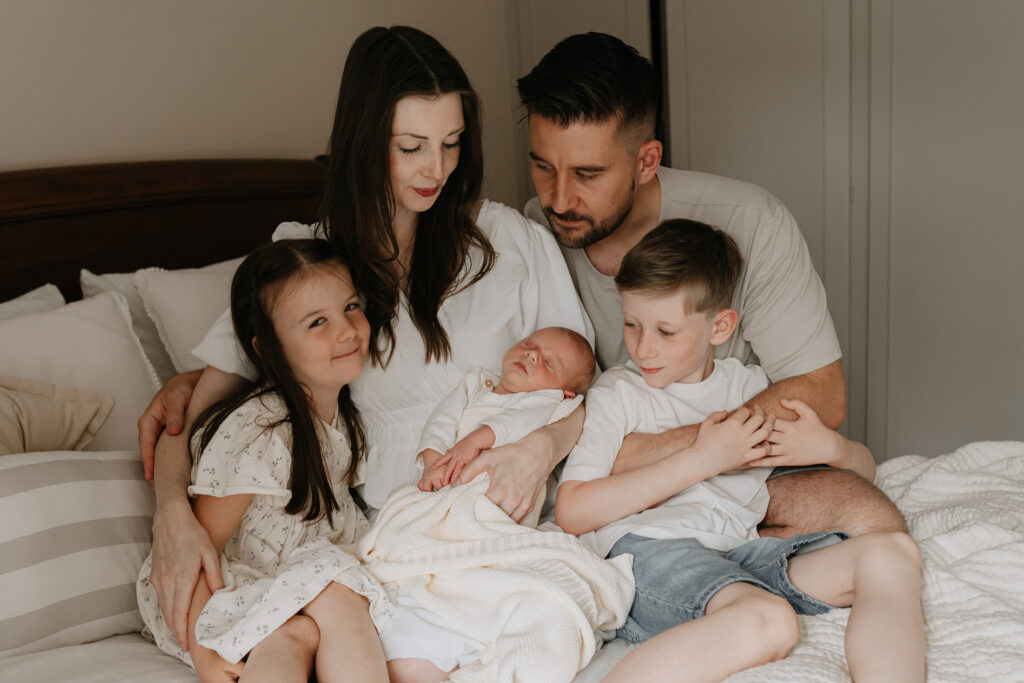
(518, 472)
(433, 475)
(166, 409)
(181, 547)
(736, 440)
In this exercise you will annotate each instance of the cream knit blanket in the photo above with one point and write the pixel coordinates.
(539, 600)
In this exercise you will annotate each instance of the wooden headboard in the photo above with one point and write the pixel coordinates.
(114, 218)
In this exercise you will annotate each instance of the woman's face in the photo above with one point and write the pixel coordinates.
(425, 137)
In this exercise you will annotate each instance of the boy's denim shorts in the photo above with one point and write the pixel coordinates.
(676, 578)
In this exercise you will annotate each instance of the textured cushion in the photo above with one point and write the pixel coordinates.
(145, 328)
(41, 299)
(39, 416)
(90, 345)
(184, 303)
(75, 529)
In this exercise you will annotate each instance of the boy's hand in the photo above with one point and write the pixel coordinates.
(433, 476)
(804, 441)
(736, 440)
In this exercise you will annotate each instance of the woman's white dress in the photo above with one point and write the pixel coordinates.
(528, 288)
(275, 563)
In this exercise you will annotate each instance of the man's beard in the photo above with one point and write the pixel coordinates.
(585, 236)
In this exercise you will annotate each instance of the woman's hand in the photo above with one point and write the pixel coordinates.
(518, 472)
(166, 409)
(181, 547)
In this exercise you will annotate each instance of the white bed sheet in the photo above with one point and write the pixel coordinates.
(965, 509)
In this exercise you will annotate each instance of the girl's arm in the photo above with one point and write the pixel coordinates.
(219, 517)
(724, 443)
(519, 470)
(181, 547)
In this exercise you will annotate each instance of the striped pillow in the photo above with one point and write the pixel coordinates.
(75, 527)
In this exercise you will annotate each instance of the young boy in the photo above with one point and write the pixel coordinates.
(711, 597)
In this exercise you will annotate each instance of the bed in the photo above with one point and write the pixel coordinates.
(81, 353)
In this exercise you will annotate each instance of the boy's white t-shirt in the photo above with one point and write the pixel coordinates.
(721, 512)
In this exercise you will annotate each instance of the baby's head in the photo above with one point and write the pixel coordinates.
(550, 358)
(677, 285)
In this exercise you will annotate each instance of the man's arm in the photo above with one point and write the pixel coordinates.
(824, 390)
(181, 546)
(519, 470)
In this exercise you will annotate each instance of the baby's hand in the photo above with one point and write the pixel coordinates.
(735, 440)
(456, 458)
(433, 476)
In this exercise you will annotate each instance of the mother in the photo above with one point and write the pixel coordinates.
(449, 282)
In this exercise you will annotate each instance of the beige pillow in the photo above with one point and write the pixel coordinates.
(184, 303)
(87, 344)
(40, 299)
(145, 328)
(39, 416)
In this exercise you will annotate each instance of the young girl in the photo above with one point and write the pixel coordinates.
(271, 482)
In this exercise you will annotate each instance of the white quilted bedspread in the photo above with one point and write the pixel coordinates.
(966, 511)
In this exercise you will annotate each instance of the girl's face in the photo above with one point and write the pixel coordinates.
(323, 331)
(424, 150)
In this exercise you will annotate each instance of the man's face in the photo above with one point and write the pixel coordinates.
(585, 175)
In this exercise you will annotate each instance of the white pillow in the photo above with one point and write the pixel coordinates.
(40, 299)
(74, 529)
(184, 303)
(145, 328)
(87, 344)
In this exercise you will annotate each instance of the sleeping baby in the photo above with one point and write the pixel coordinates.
(466, 579)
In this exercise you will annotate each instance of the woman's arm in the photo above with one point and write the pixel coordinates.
(167, 409)
(180, 544)
(520, 470)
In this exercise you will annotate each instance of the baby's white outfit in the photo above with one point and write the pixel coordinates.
(275, 563)
(415, 632)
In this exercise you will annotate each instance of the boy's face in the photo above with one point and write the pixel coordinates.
(665, 342)
(547, 359)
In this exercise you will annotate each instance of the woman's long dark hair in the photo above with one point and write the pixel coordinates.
(383, 66)
(259, 280)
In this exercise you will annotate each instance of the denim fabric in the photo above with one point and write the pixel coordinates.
(791, 469)
(675, 578)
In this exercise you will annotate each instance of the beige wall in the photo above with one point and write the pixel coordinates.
(121, 80)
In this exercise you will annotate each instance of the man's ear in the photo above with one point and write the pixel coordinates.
(648, 160)
(724, 324)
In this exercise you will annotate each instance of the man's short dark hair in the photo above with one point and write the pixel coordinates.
(592, 78)
(681, 254)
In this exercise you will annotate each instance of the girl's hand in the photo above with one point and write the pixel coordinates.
(212, 668)
(732, 441)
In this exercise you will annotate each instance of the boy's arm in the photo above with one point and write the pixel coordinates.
(824, 389)
(724, 443)
(807, 440)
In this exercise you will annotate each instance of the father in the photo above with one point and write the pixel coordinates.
(591, 103)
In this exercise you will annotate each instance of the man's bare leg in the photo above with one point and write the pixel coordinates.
(827, 500)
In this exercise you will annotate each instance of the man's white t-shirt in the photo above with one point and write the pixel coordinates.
(721, 512)
(784, 323)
